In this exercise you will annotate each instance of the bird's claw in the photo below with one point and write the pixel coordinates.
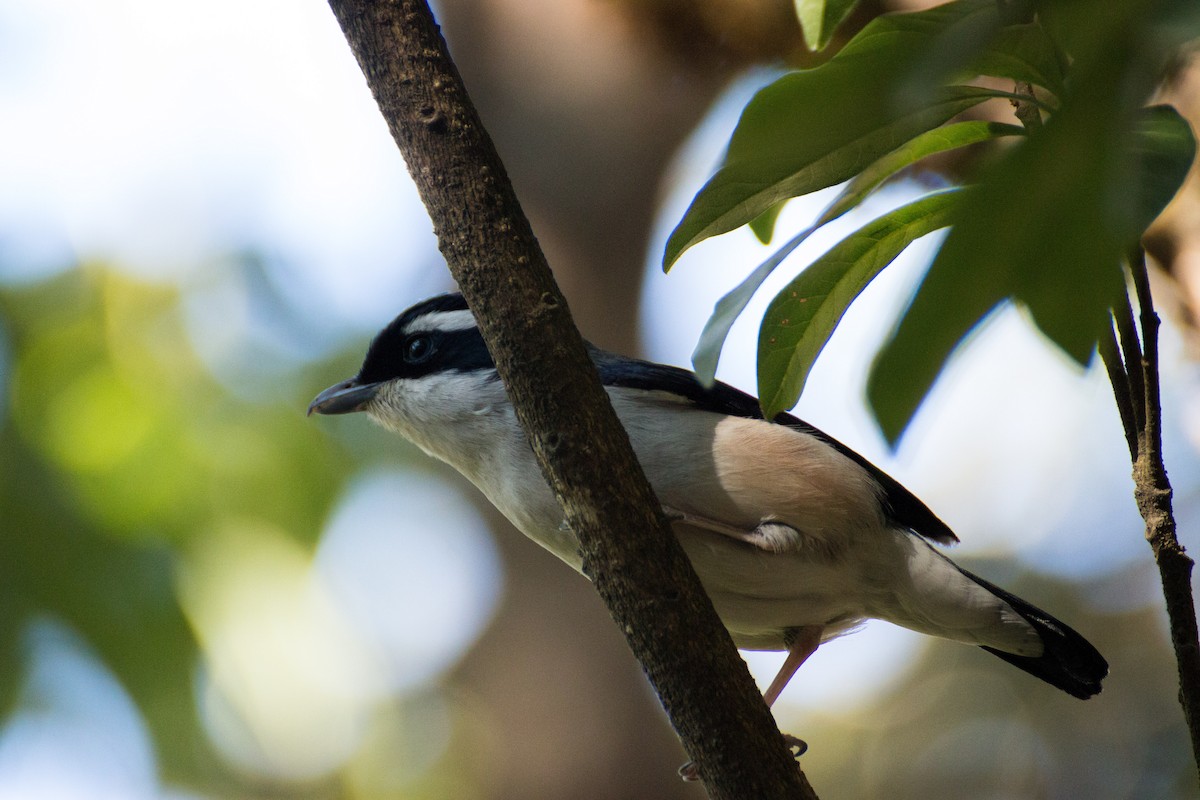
(798, 747)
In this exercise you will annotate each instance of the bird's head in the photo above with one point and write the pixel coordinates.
(428, 366)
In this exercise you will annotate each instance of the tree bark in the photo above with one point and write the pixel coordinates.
(1152, 491)
(629, 553)
(1133, 373)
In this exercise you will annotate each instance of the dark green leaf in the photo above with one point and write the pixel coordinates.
(815, 128)
(1046, 229)
(938, 140)
(1164, 148)
(741, 191)
(803, 316)
(820, 18)
(1023, 53)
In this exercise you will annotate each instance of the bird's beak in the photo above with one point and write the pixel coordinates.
(343, 398)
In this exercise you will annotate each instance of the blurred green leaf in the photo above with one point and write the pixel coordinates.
(938, 140)
(1164, 148)
(815, 128)
(1047, 229)
(1132, 38)
(820, 18)
(803, 316)
(1023, 53)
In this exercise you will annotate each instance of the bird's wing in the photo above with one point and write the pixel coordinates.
(900, 506)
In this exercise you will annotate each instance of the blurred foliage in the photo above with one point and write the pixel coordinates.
(820, 18)
(1046, 224)
(169, 521)
(123, 461)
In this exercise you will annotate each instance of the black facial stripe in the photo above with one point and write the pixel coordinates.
(452, 351)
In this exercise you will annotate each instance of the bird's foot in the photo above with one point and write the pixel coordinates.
(797, 745)
(691, 772)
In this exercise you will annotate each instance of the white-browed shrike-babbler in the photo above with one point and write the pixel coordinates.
(796, 538)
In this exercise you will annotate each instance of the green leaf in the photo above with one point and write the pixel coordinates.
(982, 45)
(820, 18)
(741, 191)
(731, 306)
(803, 316)
(1047, 229)
(938, 140)
(763, 226)
(1164, 148)
(1023, 53)
(816, 128)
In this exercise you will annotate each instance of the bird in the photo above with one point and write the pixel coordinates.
(796, 538)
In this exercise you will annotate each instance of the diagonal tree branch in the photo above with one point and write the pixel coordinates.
(629, 553)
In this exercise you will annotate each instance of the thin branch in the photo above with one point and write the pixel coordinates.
(1026, 106)
(1148, 368)
(1152, 489)
(631, 556)
(1131, 349)
(1119, 378)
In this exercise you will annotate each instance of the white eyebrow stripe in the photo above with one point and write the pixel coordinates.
(445, 321)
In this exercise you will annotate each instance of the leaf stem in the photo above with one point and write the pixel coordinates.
(1019, 96)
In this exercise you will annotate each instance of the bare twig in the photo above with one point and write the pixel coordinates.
(1119, 378)
(1152, 490)
(1026, 110)
(635, 563)
(1131, 349)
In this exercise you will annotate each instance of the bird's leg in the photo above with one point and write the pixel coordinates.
(801, 643)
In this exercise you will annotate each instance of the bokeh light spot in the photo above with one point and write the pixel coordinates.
(97, 422)
(412, 564)
(287, 686)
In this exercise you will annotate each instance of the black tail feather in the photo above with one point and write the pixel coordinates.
(1069, 661)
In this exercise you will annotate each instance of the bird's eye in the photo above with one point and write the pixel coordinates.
(418, 348)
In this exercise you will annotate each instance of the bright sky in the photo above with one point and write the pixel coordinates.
(165, 138)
